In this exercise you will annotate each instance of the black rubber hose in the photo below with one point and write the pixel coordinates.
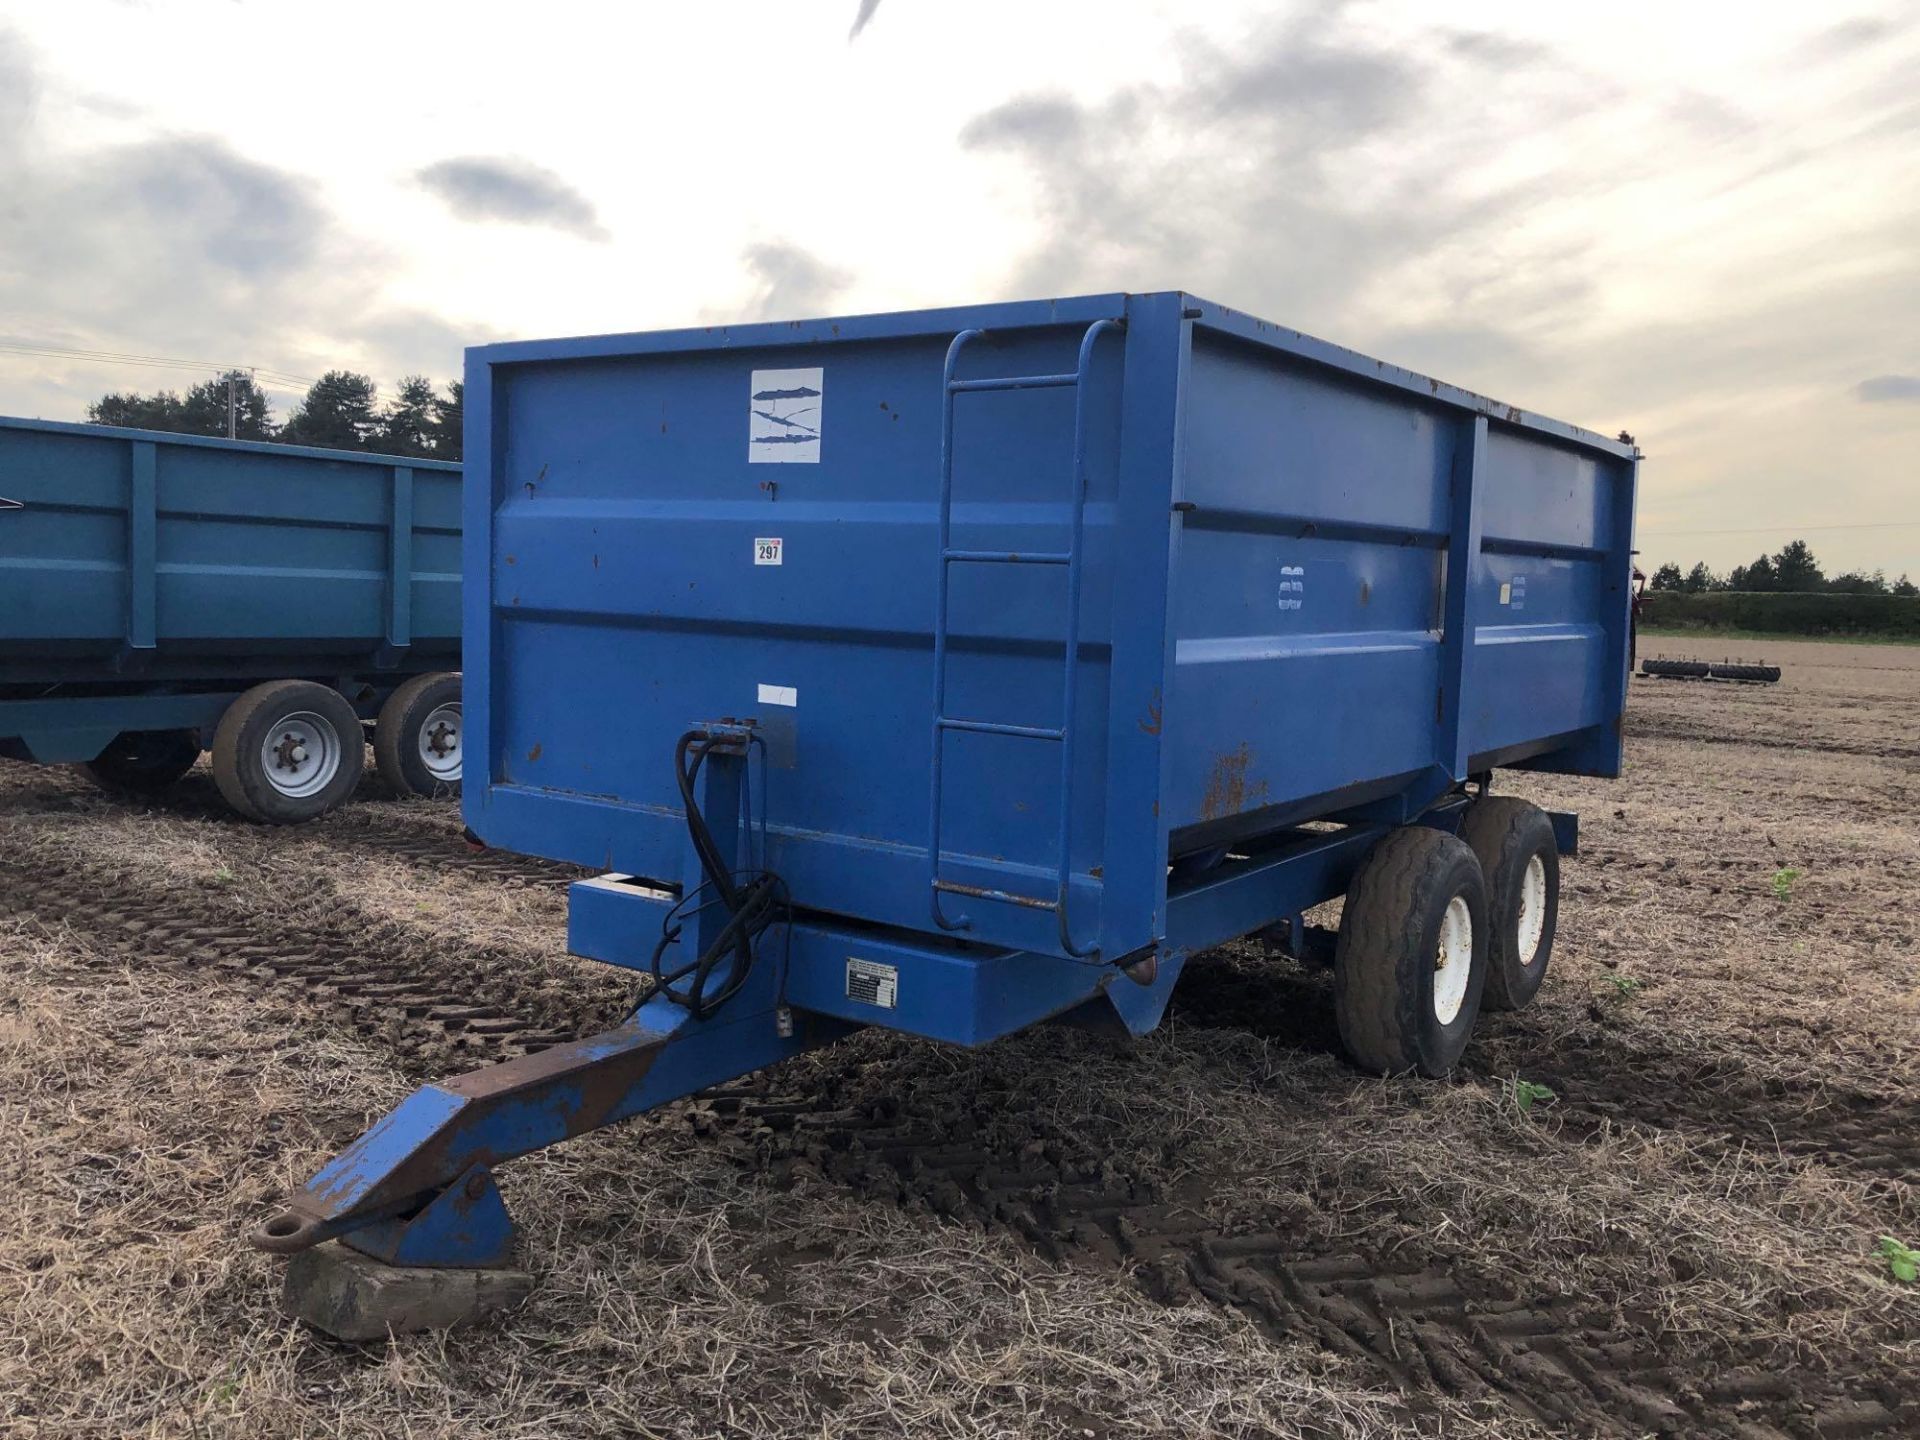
(754, 900)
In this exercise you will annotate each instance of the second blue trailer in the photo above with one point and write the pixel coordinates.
(958, 670)
(163, 594)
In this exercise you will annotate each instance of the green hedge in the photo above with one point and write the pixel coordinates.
(1895, 616)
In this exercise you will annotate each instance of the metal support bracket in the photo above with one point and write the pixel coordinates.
(467, 1219)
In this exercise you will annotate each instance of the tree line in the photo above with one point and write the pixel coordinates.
(1790, 570)
(341, 411)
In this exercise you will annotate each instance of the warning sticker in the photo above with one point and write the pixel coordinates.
(1293, 586)
(872, 983)
(783, 416)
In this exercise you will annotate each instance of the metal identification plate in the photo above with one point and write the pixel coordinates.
(872, 983)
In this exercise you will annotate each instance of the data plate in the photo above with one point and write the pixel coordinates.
(872, 983)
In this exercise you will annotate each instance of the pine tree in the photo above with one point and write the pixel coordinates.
(336, 415)
(1794, 568)
(406, 425)
(1700, 580)
(158, 411)
(447, 420)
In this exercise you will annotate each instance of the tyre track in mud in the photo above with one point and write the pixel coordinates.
(369, 824)
(1599, 1078)
(1427, 1329)
(372, 984)
(1427, 1325)
(443, 852)
(1713, 1098)
(1639, 728)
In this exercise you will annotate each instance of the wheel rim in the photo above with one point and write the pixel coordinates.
(439, 744)
(1532, 924)
(300, 755)
(1453, 960)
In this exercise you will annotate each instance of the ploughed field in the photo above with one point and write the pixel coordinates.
(1220, 1230)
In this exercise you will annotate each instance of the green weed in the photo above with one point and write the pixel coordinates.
(1527, 1094)
(1783, 883)
(1902, 1260)
(1624, 985)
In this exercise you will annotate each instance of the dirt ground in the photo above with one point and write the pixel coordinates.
(1220, 1230)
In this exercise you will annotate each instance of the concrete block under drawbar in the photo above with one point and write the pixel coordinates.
(352, 1297)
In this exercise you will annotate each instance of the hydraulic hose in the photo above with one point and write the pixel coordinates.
(753, 900)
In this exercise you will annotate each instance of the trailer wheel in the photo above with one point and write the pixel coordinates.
(1521, 861)
(288, 751)
(1412, 955)
(144, 762)
(416, 740)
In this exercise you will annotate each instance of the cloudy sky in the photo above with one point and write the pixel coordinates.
(1694, 222)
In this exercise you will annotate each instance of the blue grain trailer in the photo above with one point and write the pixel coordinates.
(960, 670)
(164, 594)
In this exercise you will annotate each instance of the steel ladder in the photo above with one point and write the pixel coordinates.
(1064, 735)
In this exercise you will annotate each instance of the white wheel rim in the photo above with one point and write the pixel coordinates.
(1453, 960)
(300, 755)
(439, 744)
(1532, 922)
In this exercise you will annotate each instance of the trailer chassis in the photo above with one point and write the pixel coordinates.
(417, 1189)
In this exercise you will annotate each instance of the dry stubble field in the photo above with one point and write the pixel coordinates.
(1222, 1230)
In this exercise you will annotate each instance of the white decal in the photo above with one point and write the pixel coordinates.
(767, 550)
(872, 983)
(779, 695)
(783, 416)
(1293, 586)
(1519, 592)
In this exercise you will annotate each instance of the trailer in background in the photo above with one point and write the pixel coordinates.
(161, 595)
(958, 671)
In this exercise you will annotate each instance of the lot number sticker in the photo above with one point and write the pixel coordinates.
(767, 551)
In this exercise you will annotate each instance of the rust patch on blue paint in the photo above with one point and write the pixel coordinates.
(1150, 722)
(1228, 791)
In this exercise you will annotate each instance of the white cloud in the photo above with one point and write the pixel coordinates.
(1629, 216)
